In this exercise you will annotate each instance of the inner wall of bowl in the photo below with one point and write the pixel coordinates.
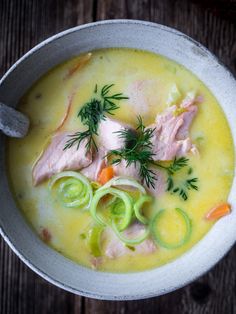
(50, 264)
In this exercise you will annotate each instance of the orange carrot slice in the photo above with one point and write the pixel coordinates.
(105, 175)
(67, 112)
(218, 211)
(46, 235)
(82, 61)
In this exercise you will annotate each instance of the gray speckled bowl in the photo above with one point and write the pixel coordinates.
(53, 266)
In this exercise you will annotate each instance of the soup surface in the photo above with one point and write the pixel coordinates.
(193, 174)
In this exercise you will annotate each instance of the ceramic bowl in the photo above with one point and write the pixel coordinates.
(48, 263)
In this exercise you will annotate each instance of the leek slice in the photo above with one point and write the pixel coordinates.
(129, 241)
(119, 181)
(157, 235)
(138, 207)
(95, 185)
(74, 190)
(94, 239)
(117, 208)
(128, 203)
(173, 96)
(190, 96)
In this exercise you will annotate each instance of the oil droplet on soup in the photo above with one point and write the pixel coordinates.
(147, 80)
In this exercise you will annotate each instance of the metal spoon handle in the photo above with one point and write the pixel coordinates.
(12, 122)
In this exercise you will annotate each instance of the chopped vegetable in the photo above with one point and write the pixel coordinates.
(173, 96)
(128, 203)
(94, 239)
(138, 207)
(46, 235)
(218, 211)
(131, 248)
(157, 235)
(178, 111)
(190, 96)
(117, 207)
(126, 182)
(171, 68)
(106, 175)
(74, 189)
(83, 60)
(67, 112)
(95, 185)
(129, 241)
(199, 137)
(83, 236)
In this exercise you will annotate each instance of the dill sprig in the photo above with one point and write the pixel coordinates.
(137, 150)
(182, 190)
(186, 184)
(108, 100)
(176, 165)
(92, 113)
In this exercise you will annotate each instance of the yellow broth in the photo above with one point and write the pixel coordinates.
(45, 104)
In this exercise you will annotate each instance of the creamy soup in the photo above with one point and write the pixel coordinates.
(128, 161)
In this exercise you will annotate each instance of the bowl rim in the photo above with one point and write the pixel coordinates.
(107, 22)
(36, 269)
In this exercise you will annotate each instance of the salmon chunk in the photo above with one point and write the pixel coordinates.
(108, 136)
(115, 248)
(54, 159)
(132, 170)
(171, 135)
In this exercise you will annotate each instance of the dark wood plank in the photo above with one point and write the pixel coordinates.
(25, 23)
(222, 8)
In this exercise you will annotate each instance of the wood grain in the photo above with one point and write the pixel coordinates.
(25, 23)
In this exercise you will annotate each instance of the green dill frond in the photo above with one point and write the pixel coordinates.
(170, 183)
(108, 100)
(76, 138)
(148, 175)
(92, 113)
(178, 164)
(185, 185)
(191, 184)
(137, 150)
(140, 126)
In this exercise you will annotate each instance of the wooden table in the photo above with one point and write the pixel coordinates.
(23, 24)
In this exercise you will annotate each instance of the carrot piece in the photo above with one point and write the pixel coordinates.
(218, 211)
(105, 175)
(67, 112)
(82, 61)
(46, 235)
